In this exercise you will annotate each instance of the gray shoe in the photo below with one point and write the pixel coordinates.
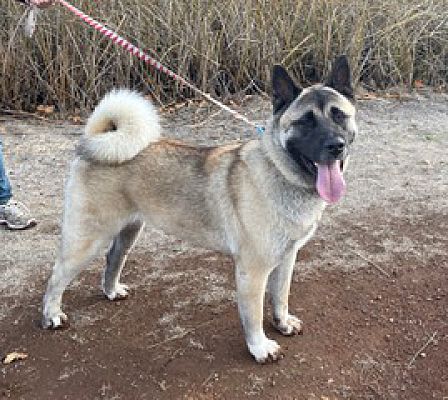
(16, 216)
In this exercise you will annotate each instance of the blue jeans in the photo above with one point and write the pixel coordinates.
(5, 186)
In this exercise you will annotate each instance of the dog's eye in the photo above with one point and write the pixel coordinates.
(337, 115)
(308, 119)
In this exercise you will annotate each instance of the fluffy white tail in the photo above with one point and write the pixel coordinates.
(120, 127)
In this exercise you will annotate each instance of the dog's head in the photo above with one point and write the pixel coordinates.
(316, 126)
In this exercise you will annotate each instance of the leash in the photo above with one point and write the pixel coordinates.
(136, 52)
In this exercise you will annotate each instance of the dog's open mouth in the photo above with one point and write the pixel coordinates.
(327, 175)
(308, 165)
(330, 183)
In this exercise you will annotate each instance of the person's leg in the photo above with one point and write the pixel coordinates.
(5, 186)
(12, 214)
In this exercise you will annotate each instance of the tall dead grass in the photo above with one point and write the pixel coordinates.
(221, 46)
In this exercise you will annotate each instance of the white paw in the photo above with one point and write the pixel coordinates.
(265, 350)
(119, 292)
(290, 326)
(56, 320)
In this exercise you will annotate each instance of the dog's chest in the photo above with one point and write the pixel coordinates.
(298, 213)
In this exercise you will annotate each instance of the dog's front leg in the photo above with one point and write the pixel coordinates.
(251, 280)
(279, 286)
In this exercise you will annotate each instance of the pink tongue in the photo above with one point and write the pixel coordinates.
(330, 183)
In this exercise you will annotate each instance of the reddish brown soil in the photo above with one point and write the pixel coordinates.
(363, 331)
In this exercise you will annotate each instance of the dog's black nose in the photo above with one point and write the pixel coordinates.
(335, 146)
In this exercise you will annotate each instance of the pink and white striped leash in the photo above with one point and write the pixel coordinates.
(135, 51)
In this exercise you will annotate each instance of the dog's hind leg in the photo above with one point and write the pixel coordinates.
(116, 258)
(77, 249)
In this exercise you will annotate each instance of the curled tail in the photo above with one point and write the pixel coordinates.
(120, 127)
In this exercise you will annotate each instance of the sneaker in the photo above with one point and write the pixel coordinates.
(15, 216)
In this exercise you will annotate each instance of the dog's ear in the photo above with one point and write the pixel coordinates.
(340, 77)
(284, 90)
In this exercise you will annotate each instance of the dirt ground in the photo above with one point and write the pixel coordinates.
(371, 286)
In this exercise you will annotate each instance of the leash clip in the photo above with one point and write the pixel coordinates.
(260, 129)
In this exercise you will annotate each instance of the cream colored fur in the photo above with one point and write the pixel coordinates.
(121, 126)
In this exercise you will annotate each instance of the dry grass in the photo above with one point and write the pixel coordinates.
(223, 47)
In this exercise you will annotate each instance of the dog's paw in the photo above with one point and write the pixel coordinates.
(290, 326)
(119, 292)
(265, 350)
(57, 320)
